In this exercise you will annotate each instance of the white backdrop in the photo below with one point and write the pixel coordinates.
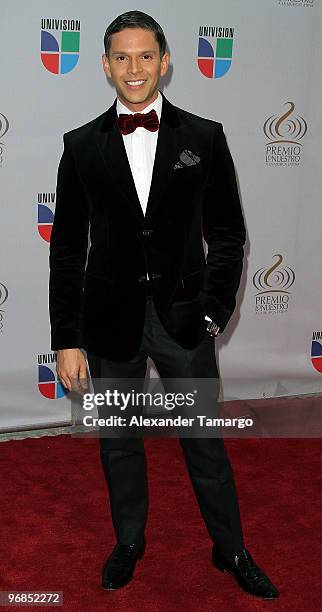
(269, 103)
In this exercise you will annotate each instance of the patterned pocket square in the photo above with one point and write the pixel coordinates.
(187, 158)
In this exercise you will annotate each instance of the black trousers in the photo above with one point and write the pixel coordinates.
(124, 461)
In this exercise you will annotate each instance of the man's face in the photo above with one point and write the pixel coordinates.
(135, 67)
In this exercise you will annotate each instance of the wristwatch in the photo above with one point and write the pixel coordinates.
(212, 327)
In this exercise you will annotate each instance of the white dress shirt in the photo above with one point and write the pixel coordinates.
(140, 147)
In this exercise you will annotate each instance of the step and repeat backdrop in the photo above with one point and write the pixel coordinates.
(254, 66)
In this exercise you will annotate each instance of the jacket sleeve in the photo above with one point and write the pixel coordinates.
(67, 255)
(224, 232)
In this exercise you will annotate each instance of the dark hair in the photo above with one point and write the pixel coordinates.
(135, 19)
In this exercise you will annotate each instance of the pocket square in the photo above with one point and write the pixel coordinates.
(186, 158)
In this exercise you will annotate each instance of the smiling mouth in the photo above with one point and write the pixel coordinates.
(135, 84)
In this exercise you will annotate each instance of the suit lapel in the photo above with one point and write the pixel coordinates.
(165, 156)
(112, 149)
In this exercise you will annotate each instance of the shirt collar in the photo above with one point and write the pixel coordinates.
(157, 105)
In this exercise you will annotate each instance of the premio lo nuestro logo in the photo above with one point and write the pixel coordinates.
(215, 50)
(4, 293)
(298, 3)
(284, 133)
(45, 215)
(316, 351)
(4, 127)
(49, 384)
(60, 44)
(273, 286)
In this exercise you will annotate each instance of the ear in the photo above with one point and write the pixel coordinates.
(165, 62)
(106, 65)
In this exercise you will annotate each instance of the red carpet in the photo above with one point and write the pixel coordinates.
(56, 530)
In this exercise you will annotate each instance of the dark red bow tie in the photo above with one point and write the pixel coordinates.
(128, 123)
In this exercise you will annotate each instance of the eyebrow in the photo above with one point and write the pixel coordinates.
(125, 53)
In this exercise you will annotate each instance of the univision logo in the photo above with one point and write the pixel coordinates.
(60, 50)
(284, 133)
(45, 215)
(215, 50)
(316, 351)
(49, 384)
(273, 286)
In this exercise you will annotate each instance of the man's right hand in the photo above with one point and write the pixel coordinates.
(72, 370)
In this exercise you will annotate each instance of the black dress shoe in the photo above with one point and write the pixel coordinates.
(118, 569)
(248, 575)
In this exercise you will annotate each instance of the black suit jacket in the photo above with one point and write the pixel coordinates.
(97, 298)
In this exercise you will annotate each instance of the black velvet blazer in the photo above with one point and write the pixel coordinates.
(97, 297)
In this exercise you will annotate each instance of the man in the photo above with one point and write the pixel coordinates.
(149, 179)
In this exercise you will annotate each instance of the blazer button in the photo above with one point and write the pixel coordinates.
(147, 232)
(156, 276)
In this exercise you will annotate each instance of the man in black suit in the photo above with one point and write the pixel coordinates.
(149, 180)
